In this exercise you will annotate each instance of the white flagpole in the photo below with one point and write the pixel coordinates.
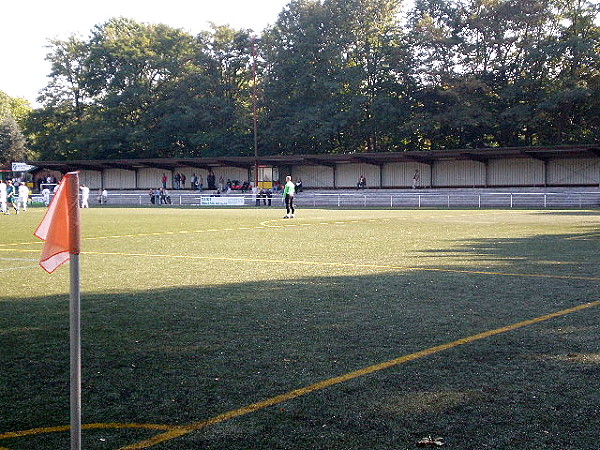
(75, 338)
(61, 225)
(75, 314)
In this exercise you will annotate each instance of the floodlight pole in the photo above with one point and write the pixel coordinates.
(255, 111)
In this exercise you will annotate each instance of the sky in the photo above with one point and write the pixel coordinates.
(27, 25)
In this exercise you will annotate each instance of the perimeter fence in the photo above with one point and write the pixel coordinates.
(373, 199)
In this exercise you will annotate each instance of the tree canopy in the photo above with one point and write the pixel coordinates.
(339, 76)
(13, 112)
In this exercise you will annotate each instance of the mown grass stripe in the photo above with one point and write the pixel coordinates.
(183, 430)
(348, 265)
(334, 264)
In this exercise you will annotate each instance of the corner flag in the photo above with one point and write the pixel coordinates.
(60, 227)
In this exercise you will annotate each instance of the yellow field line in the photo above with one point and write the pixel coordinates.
(347, 265)
(91, 426)
(183, 430)
(332, 264)
(261, 226)
(175, 431)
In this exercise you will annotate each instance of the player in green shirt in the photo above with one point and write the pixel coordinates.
(289, 191)
(11, 196)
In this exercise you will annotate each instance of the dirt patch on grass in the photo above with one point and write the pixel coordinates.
(423, 402)
(587, 358)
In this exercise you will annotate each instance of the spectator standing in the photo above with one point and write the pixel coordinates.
(269, 194)
(256, 195)
(165, 198)
(416, 178)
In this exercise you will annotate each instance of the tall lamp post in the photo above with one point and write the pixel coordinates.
(255, 110)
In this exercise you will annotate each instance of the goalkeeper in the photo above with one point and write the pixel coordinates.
(288, 195)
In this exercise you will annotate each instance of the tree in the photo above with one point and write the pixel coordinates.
(68, 76)
(13, 113)
(375, 67)
(18, 108)
(12, 141)
(299, 81)
(569, 112)
(335, 77)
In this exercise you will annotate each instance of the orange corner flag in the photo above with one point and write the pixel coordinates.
(60, 227)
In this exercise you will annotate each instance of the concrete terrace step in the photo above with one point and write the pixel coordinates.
(524, 197)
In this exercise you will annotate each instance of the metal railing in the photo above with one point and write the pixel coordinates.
(475, 199)
(457, 200)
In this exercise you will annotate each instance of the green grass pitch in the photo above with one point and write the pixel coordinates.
(339, 329)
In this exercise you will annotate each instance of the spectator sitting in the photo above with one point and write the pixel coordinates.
(362, 182)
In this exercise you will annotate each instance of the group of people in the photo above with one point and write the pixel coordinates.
(14, 193)
(178, 181)
(85, 196)
(263, 194)
(160, 196)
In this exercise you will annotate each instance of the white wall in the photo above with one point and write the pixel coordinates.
(312, 176)
(347, 175)
(574, 171)
(459, 173)
(401, 174)
(119, 179)
(516, 172)
(91, 178)
(447, 173)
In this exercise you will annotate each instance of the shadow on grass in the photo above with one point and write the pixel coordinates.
(569, 255)
(182, 355)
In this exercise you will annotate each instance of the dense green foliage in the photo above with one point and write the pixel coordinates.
(332, 76)
(12, 141)
(13, 111)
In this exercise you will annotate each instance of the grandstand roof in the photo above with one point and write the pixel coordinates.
(427, 157)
